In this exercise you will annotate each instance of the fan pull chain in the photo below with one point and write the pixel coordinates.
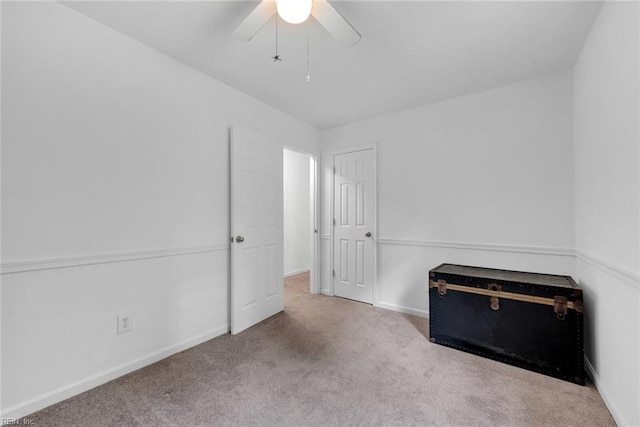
(276, 58)
(308, 37)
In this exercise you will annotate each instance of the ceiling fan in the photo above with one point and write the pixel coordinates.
(296, 12)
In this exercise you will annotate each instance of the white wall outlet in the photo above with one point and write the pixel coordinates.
(125, 323)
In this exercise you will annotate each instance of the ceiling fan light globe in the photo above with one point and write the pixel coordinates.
(294, 11)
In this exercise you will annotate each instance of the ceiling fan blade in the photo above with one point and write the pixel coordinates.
(335, 23)
(256, 20)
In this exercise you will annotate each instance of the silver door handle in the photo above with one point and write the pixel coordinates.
(239, 239)
(368, 234)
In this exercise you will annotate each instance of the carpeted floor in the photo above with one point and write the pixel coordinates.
(329, 361)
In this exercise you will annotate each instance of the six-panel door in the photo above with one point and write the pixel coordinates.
(353, 225)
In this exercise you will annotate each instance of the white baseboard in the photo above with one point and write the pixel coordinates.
(326, 292)
(296, 272)
(613, 409)
(402, 309)
(25, 408)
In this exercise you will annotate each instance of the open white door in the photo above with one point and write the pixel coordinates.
(257, 290)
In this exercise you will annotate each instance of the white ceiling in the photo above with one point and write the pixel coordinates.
(411, 53)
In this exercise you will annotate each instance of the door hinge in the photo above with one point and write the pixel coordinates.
(334, 170)
(334, 222)
(333, 273)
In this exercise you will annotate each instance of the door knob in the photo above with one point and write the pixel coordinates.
(239, 239)
(368, 234)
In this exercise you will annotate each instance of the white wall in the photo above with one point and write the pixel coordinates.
(607, 195)
(484, 179)
(114, 199)
(297, 213)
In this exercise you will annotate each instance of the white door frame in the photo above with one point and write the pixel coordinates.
(314, 229)
(333, 154)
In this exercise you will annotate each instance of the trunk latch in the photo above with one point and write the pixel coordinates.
(560, 307)
(441, 285)
(495, 301)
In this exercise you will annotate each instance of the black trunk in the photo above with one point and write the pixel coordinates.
(529, 320)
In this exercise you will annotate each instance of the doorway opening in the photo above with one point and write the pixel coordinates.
(299, 214)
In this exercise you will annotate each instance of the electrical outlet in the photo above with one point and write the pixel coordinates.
(125, 323)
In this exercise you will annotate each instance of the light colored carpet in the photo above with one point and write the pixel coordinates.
(330, 361)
